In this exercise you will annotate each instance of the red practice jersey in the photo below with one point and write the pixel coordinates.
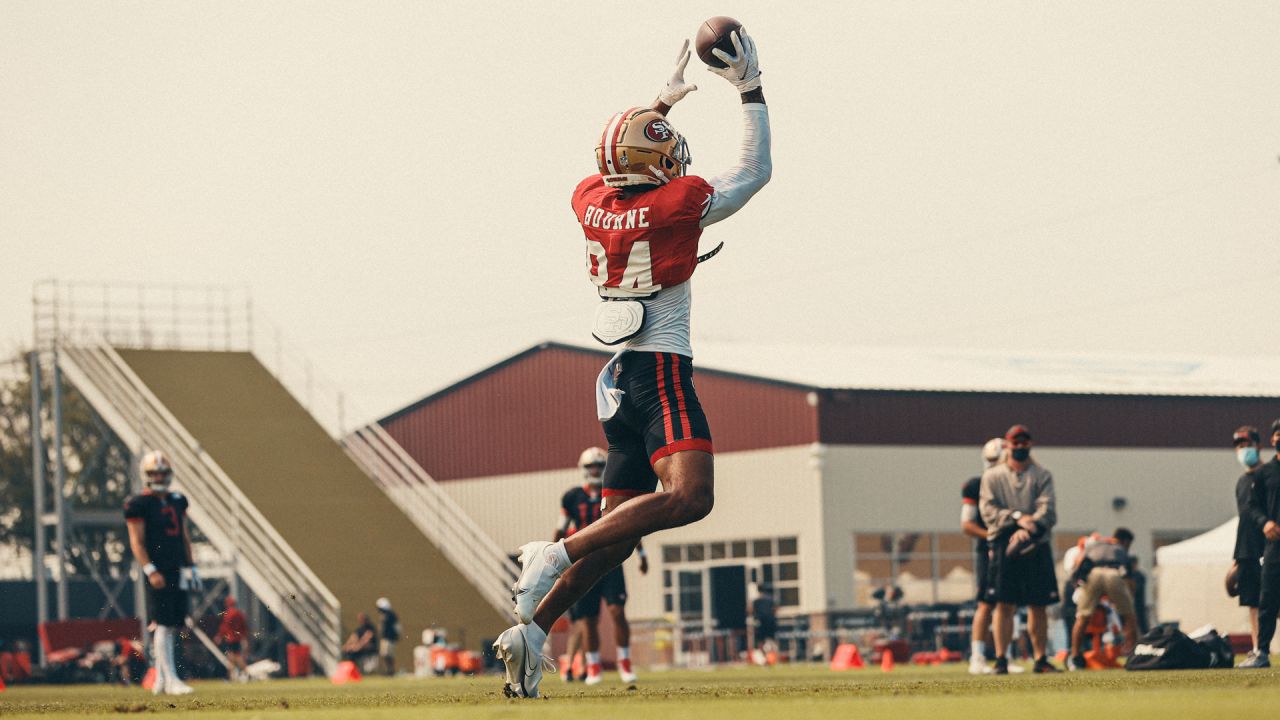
(641, 242)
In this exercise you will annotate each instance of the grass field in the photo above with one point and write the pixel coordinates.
(740, 694)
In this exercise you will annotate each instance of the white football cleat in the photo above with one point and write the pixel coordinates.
(520, 650)
(978, 665)
(540, 567)
(627, 674)
(594, 675)
(177, 687)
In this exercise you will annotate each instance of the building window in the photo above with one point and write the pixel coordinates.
(929, 567)
(767, 561)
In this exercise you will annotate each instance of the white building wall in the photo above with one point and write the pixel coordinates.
(822, 495)
(759, 494)
(869, 488)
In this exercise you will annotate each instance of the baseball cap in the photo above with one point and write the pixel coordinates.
(1016, 431)
(1248, 433)
(383, 604)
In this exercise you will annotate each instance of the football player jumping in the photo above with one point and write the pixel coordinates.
(642, 217)
(161, 543)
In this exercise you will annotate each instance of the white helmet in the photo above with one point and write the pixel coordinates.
(156, 470)
(993, 451)
(592, 456)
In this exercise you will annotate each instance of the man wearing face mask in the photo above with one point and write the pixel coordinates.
(1249, 538)
(1263, 513)
(1018, 505)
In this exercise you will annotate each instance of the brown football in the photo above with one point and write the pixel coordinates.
(714, 34)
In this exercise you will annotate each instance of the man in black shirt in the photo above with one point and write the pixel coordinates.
(579, 507)
(1263, 510)
(161, 543)
(390, 636)
(973, 526)
(1250, 541)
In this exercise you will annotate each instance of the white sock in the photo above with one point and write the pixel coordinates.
(562, 556)
(171, 667)
(978, 648)
(158, 641)
(593, 658)
(624, 652)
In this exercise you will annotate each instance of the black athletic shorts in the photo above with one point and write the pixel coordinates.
(1250, 579)
(612, 588)
(167, 607)
(981, 569)
(659, 415)
(1022, 579)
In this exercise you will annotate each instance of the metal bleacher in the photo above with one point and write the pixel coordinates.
(319, 529)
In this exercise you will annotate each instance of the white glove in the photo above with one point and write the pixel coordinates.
(190, 579)
(676, 87)
(1077, 595)
(743, 68)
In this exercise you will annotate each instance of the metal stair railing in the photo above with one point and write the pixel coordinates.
(445, 524)
(233, 524)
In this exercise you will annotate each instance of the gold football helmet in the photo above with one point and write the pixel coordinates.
(640, 147)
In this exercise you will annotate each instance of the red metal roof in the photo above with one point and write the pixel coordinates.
(536, 411)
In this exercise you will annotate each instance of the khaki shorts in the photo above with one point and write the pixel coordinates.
(386, 648)
(1106, 581)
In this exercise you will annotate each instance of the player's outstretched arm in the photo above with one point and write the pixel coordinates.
(734, 187)
(676, 87)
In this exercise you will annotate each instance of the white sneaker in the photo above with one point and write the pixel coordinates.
(1015, 669)
(978, 665)
(522, 659)
(177, 687)
(594, 676)
(540, 566)
(626, 673)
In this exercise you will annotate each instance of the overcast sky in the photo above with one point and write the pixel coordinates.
(391, 180)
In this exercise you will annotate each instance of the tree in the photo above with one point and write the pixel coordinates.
(97, 472)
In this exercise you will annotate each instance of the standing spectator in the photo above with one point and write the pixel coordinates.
(1102, 569)
(390, 636)
(233, 639)
(161, 543)
(1017, 503)
(1263, 513)
(361, 646)
(1247, 555)
(972, 525)
(764, 615)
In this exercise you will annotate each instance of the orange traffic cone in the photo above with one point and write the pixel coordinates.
(847, 657)
(149, 680)
(886, 660)
(347, 672)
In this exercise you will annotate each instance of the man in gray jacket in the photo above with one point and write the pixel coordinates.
(1017, 504)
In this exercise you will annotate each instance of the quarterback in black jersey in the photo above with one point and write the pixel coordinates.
(161, 543)
(579, 507)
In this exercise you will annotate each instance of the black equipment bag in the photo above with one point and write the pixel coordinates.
(1165, 647)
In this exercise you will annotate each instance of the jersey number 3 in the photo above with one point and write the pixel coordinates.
(639, 271)
(174, 528)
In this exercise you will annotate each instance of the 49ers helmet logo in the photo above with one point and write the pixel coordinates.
(658, 131)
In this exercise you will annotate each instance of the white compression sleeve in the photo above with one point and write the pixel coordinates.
(734, 187)
(159, 640)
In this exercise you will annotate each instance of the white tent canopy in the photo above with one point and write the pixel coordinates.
(1190, 582)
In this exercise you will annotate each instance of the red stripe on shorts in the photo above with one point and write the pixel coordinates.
(684, 410)
(662, 396)
(623, 492)
(679, 446)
